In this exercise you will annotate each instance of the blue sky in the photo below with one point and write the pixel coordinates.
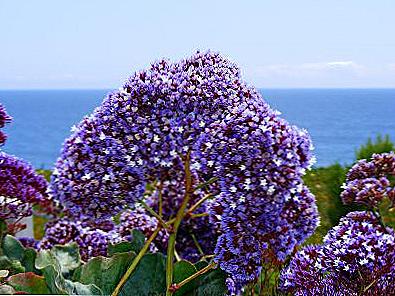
(277, 43)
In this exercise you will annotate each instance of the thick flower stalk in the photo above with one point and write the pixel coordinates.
(201, 111)
(368, 182)
(20, 188)
(4, 118)
(356, 258)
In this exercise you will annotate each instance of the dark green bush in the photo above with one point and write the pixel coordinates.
(381, 145)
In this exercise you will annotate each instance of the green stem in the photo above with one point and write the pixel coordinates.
(197, 244)
(198, 215)
(135, 262)
(160, 197)
(153, 213)
(199, 203)
(180, 215)
(175, 287)
(202, 185)
(3, 232)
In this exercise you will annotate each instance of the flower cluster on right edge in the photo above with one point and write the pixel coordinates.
(4, 118)
(357, 256)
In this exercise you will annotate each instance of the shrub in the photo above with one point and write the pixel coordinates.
(381, 145)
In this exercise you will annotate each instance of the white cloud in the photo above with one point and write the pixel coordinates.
(391, 66)
(311, 68)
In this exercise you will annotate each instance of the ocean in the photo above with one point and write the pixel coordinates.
(338, 120)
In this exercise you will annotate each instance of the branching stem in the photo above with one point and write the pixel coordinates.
(135, 262)
(180, 215)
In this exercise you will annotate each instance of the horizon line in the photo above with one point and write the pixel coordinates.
(259, 88)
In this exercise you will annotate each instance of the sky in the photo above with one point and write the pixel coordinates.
(277, 43)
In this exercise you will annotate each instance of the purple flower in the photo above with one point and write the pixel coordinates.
(28, 242)
(264, 208)
(368, 182)
(357, 258)
(4, 118)
(139, 219)
(91, 242)
(20, 188)
(141, 134)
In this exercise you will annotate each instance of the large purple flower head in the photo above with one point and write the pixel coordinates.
(357, 256)
(142, 132)
(368, 182)
(199, 107)
(20, 188)
(4, 118)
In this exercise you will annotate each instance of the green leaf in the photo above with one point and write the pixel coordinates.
(6, 290)
(68, 257)
(29, 283)
(18, 258)
(212, 283)
(104, 272)
(12, 248)
(29, 259)
(76, 288)
(182, 270)
(4, 273)
(149, 278)
(135, 245)
(14, 266)
(138, 240)
(57, 284)
(121, 247)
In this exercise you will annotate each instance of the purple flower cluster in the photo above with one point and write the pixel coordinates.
(28, 242)
(265, 209)
(20, 188)
(139, 219)
(368, 182)
(4, 118)
(142, 133)
(92, 242)
(356, 258)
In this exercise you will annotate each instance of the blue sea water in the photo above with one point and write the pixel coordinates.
(338, 120)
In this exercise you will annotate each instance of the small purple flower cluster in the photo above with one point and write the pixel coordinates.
(4, 118)
(367, 182)
(92, 242)
(139, 219)
(142, 133)
(356, 258)
(28, 242)
(20, 189)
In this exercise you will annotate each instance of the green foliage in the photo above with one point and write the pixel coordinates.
(149, 278)
(182, 270)
(48, 262)
(29, 282)
(211, 283)
(381, 145)
(103, 272)
(15, 257)
(60, 271)
(135, 245)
